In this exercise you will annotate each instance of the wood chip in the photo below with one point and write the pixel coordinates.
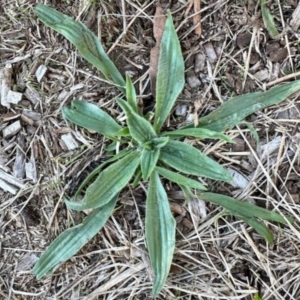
(197, 207)
(40, 72)
(27, 120)
(8, 187)
(30, 169)
(14, 97)
(267, 149)
(5, 84)
(11, 179)
(262, 75)
(9, 116)
(12, 129)
(32, 95)
(295, 22)
(27, 262)
(69, 141)
(19, 165)
(3, 158)
(35, 116)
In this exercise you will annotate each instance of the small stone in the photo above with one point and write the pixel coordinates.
(262, 75)
(181, 110)
(238, 180)
(193, 80)
(210, 52)
(200, 62)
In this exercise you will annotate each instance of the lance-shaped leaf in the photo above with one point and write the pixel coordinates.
(160, 232)
(268, 20)
(137, 177)
(149, 159)
(170, 75)
(190, 160)
(260, 228)
(180, 179)
(201, 133)
(85, 41)
(70, 241)
(140, 129)
(233, 111)
(97, 170)
(108, 183)
(91, 117)
(124, 132)
(131, 94)
(243, 209)
(156, 143)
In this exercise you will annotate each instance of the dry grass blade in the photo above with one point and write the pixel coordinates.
(197, 17)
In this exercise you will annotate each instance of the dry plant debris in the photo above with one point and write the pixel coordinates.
(216, 257)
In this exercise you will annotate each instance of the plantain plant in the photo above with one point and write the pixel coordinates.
(149, 153)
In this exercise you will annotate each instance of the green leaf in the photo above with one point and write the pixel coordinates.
(149, 159)
(70, 241)
(156, 143)
(190, 160)
(187, 192)
(140, 129)
(268, 20)
(233, 111)
(91, 117)
(137, 178)
(124, 132)
(85, 41)
(108, 183)
(131, 94)
(257, 297)
(200, 133)
(160, 232)
(243, 209)
(180, 179)
(170, 74)
(99, 169)
(261, 228)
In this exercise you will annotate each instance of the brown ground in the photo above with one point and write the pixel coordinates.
(216, 256)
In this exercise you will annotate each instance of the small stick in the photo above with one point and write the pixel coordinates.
(197, 17)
